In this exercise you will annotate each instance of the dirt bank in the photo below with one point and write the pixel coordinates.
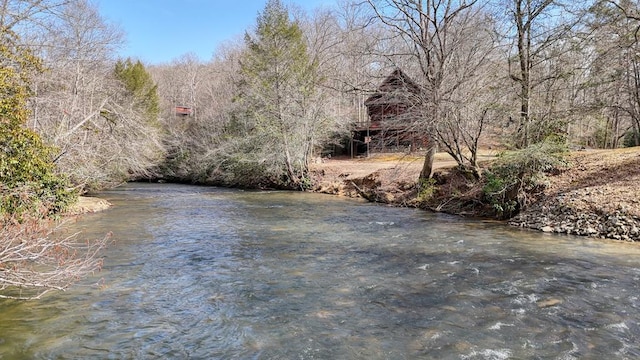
(390, 174)
(598, 196)
(387, 178)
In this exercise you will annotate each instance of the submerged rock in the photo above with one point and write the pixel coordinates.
(548, 303)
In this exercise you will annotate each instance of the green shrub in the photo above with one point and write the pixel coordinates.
(426, 189)
(631, 138)
(28, 181)
(516, 175)
(498, 192)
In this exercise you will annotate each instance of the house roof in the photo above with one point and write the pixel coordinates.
(398, 80)
(396, 88)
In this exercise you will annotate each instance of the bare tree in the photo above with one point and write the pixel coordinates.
(541, 30)
(25, 13)
(614, 33)
(198, 142)
(453, 44)
(189, 73)
(34, 257)
(83, 109)
(339, 100)
(474, 100)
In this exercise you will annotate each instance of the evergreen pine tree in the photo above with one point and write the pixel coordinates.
(278, 83)
(139, 84)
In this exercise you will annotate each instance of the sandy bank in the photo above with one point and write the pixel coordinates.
(87, 204)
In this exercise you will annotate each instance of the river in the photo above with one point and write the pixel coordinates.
(209, 273)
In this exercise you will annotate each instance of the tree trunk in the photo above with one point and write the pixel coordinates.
(524, 53)
(291, 173)
(427, 167)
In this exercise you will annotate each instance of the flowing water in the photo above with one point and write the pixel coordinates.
(207, 273)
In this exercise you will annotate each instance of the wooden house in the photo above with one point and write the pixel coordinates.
(392, 111)
(183, 111)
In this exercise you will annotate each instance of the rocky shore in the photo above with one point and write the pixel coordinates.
(598, 196)
(556, 216)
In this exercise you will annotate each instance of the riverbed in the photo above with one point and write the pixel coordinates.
(209, 273)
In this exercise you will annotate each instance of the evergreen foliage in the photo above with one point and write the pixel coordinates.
(28, 181)
(631, 138)
(278, 83)
(521, 173)
(139, 84)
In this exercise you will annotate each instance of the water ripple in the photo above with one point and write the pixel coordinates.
(206, 273)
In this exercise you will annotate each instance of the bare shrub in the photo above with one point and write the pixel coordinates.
(36, 257)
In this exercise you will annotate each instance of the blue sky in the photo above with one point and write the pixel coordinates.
(158, 31)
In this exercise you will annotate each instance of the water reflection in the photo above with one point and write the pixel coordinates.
(209, 273)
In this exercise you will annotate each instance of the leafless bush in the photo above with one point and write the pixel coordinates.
(36, 257)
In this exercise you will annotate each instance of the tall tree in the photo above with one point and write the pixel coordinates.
(277, 88)
(80, 106)
(33, 261)
(615, 37)
(451, 43)
(541, 30)
(199, 145)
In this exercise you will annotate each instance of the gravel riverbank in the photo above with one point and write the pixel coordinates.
(598, 196)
